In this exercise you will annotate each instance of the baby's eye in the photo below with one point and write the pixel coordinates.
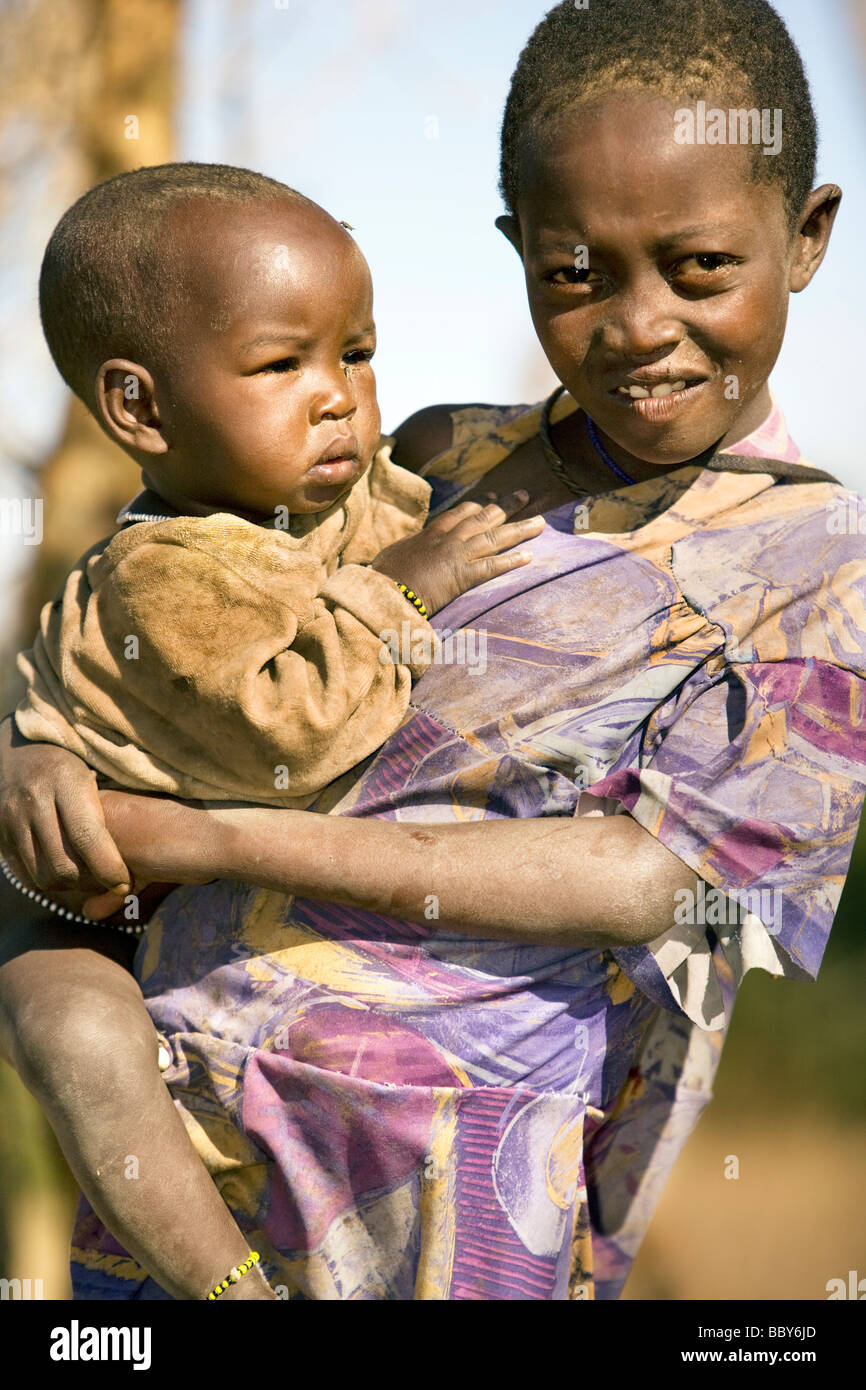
(358, 355)
(282, 364)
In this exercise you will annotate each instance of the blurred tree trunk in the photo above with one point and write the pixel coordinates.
(87, 90)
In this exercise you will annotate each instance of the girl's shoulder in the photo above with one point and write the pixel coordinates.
(459, 443)
(783, 572)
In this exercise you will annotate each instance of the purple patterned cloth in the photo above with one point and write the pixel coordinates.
(394, 1111)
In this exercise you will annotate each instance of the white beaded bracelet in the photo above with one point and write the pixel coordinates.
(129, 928)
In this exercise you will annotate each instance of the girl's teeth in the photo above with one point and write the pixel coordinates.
(665, 388)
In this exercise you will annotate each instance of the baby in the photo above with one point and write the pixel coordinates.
(227, 643)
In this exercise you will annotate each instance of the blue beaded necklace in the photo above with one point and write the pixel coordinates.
(602, 452)
(557, 463)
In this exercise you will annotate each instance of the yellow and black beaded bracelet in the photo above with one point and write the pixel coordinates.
(234, 1275)
(413, 598)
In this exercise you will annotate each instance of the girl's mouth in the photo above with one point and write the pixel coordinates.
(660, 403)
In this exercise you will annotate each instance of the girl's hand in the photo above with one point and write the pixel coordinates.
(52, 830)
(459, 549)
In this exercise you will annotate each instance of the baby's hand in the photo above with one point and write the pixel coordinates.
(459, 549)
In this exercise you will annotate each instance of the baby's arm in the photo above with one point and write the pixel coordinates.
(215, 662)
(74, 1025)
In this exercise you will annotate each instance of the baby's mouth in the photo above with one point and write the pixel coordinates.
(338, 464)
(336, 471)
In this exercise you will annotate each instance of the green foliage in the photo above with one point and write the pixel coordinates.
(796, 1046)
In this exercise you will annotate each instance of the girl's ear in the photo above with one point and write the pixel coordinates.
(510, 229)
(126, 406)
(813, 234)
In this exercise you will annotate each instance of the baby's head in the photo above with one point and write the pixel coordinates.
(660, 241)
(219, 325)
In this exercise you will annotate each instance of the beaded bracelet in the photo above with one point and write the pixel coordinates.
(234, 1275)
(412, 597)
(130, 928)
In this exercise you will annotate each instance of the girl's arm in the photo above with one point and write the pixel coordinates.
(592, 882)
(588, 882)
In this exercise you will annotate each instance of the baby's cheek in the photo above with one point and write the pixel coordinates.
(368, 405)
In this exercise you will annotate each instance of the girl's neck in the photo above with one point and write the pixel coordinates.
(572, 442)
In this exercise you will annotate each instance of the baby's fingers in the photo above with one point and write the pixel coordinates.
(514, 502)
(498, 538)
(461, 513)
(489, 566)
(468, 517)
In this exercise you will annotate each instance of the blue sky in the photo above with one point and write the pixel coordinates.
(340, 98)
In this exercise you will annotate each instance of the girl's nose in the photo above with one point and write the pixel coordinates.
(643, 321)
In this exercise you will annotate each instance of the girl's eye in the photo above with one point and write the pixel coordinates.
(359, 355)
(705, 263)
(569, 275)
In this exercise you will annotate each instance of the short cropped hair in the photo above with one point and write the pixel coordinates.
(679, 48)
(111, 285)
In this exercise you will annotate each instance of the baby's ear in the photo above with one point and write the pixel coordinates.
(126, 408)
(510, 229)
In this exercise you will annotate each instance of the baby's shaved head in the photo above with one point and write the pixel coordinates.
(112, 281)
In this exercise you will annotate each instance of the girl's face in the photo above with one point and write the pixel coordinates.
(650, 263)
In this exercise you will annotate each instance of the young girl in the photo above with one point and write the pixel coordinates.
(460, 1061)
